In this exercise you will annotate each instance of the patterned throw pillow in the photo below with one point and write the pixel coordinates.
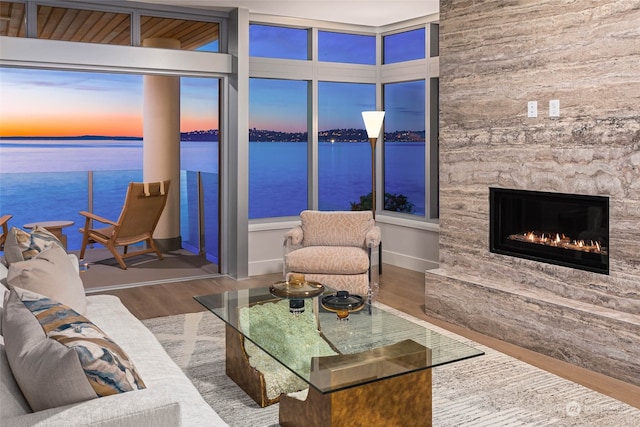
(21, 246)
(59, 357)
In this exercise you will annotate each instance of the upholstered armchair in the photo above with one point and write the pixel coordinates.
(335, 248)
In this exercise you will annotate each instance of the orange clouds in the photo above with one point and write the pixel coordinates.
(72, 125)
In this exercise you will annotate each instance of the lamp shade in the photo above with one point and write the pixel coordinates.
(373, 122)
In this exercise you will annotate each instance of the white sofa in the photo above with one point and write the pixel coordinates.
(169, 398)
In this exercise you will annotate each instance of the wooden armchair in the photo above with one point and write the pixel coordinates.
(4, 220)
(335, 249)
(140, 214)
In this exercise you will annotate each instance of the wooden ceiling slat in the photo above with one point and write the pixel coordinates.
(12, 24)
(109, 26)
(74, 29)
(117, 27)
(48, 18)
(5, 16)
(124, 38)
(154, 27)
(206, 34)
(100, 20)
(86, 25)
(184, 31)
(67, 19)
(196, 34)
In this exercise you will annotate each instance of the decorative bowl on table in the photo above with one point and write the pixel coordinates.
(342, 303)
(296, 289)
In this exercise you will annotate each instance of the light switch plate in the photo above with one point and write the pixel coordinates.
(532, 109)
(554, 108)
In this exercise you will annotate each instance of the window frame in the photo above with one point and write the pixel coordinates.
(315, 71)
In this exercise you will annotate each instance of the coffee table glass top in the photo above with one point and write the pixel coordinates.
(330, 354)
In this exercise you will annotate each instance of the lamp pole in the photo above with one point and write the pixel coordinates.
(373, 124)
(373, 176)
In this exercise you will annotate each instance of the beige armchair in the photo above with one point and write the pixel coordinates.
(335, 249)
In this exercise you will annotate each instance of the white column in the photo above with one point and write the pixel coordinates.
(161, 143)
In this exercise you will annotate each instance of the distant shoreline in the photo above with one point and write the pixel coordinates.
(255, 135)
(77, 138)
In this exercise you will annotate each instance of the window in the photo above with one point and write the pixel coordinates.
(277, 147)
(405, 46)
(347, 48)
(339, 166)
(278, 42)
(199, 165)
(404, 147)
(344, 153)
(96, 125)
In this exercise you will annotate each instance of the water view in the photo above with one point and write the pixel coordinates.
(48, 180)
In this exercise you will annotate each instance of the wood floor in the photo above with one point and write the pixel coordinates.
(399, 288)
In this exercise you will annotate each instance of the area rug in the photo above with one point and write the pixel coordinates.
(490, 390)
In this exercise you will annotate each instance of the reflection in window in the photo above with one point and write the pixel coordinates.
(12, 22)
(278, 42)
(405, 46)
(277, 147)
(344, 153)
(404, 147)
(346, 48)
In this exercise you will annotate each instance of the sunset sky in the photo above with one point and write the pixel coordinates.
(69, 103)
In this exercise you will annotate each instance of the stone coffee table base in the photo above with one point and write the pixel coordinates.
(396, 401)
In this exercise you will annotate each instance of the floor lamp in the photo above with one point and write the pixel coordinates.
(373, 124)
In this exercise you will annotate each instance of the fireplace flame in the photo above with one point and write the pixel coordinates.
(559, 241)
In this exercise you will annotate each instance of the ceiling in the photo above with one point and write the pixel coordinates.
(374, 13)
(94, 26)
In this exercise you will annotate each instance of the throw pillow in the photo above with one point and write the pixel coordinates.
(52, 274)
(21, 246)
(59, 357)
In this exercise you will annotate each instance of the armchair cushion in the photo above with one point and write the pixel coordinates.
(326, 228)
(328, 260)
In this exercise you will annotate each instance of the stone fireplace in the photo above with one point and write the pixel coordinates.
(585, 55)
(564, 229)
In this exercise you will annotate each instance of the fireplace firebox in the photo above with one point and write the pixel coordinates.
(563, 229)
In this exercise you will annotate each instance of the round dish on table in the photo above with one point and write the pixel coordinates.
(342, 303)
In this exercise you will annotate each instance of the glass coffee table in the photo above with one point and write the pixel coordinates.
(372, 369)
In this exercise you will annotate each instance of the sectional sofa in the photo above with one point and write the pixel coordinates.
(167, 399)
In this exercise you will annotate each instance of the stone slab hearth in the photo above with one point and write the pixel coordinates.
(494, 58)
(601, 339)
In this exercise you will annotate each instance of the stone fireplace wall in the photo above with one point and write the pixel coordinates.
(495, 56)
